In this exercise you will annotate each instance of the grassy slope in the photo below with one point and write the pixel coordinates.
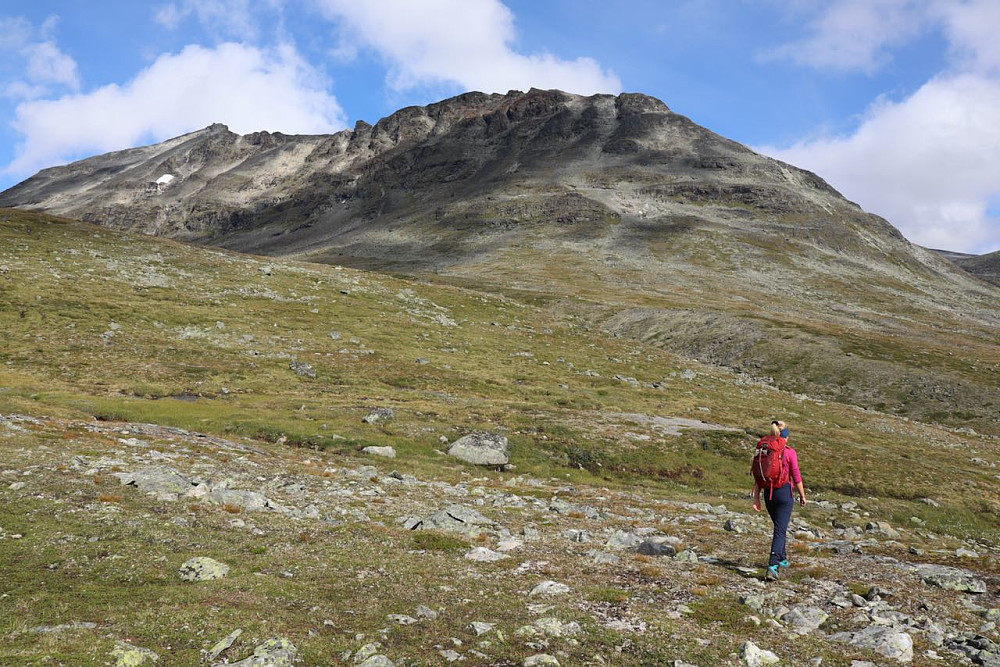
(133, 328)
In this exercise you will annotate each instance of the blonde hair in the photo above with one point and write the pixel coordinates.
(776, 427)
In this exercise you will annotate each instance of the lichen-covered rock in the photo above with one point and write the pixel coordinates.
(484, 555)
(165, 483)
(202, 568)
(951, 578)
(223, 645)
(483, 449)
(386, 452)
(549, 588)
(302, 369)
(687, 556)
(276, 652)
(248, 501)
(623, 540)
(379, 416)
(453, 519)
(803, 619)
(882, 528)
(126, 655)
(891, 643)
(377, 661)
(754, 656)
(541, 660)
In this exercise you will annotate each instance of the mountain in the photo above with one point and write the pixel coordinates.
(614, 212)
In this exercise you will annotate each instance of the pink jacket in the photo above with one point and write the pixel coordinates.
(792, 463)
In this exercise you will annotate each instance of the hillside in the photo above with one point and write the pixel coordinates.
(161, 402)
(985, 266)
(613, 210)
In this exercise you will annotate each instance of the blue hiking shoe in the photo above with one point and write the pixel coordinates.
(772, 573)
(784, 563)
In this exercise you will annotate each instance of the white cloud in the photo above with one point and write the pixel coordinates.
(35, 65)
(971, 28)
(246, 88)
(464, 42)
(47, 64)
(930, 163)
(233, 19)
(15, 32)
(856, 34)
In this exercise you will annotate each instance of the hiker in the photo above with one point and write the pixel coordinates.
(775, 482)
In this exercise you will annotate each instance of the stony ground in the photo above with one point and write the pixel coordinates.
(348, 558)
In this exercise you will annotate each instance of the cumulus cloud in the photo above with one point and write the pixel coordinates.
(36, 66)
(223, 18)
(464, 42)
(930, 162)
(857, 34)
(247, 88)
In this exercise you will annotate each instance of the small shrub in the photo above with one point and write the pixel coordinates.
(110, 498)
(430, 541)
(232, 509)
(608, 594)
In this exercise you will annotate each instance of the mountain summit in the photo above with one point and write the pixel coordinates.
(627, 216)
(479, 164)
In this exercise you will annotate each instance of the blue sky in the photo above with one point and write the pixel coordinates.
(895, 102)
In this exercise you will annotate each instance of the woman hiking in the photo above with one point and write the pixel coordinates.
(775, 468)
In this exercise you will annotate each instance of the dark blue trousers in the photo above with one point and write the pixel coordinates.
(779, 506)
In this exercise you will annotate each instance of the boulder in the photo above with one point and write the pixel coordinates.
(882, 528)
(656, 548)
(453, 519)
(302, 369)
(754, 656)
(482, 449)
(549, 588)
(541, 660)
(202, 568)
(484, 555)
(379, 416)
(623, 540)
(126, 655)
(803, 619)
(276, 652)
(951, 578)
(387, 452)
(891, 643)
(165, 483)
(223, 645)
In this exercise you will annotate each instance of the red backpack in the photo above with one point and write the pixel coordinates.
(768, 466)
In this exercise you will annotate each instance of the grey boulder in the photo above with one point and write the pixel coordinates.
(482, 449)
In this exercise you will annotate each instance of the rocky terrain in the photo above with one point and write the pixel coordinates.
(219, 544)
(218, 458)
